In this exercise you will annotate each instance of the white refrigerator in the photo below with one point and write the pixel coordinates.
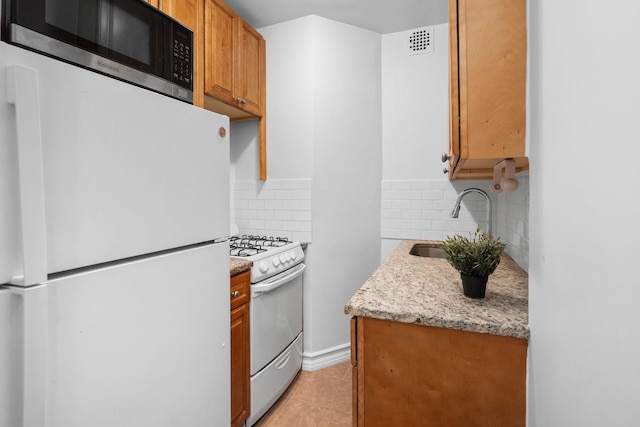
(114, 259)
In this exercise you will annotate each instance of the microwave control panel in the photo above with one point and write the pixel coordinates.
(182, 64)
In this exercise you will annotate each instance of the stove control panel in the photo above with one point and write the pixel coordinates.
(276, 262)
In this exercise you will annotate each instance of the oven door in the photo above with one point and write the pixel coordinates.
(276, 315)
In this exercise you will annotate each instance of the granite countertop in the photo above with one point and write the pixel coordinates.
(428, 291)
(238, 266)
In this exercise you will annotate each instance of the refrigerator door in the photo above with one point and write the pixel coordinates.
(141, 343)
(124, 171)
(11, 327)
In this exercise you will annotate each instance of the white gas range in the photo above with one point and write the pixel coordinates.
(270, 255)
(275, 316)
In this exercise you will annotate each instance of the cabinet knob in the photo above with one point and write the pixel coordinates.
(444, 157)
(241, 101)
(222, 132)
(235, 294)
(445, 171)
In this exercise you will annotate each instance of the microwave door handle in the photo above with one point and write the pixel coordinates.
(22, 91)
(259, 289)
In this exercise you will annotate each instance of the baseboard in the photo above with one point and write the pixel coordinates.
(327, 357)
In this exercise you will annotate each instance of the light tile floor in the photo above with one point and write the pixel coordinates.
(314, 399)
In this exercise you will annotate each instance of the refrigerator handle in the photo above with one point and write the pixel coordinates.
(34, 369)
(22, 91)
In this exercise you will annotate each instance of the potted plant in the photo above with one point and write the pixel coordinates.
(475, 257)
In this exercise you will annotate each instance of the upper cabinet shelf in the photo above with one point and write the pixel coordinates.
(488, 62)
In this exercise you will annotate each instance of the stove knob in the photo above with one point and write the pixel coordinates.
(293, 255)
(264, 267)
(282, 259)
(276, 261)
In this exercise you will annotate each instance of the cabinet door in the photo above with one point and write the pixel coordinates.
(249, 68)
(445, 377)
(220, 30)
(488, 85)
(240, 289)
(240, 379)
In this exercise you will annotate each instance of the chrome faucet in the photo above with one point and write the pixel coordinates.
(456, 208)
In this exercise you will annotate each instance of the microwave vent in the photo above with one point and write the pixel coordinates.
(420, 41)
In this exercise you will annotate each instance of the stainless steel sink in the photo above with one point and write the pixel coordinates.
(428, 250)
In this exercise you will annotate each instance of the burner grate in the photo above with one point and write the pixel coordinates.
(249, 245)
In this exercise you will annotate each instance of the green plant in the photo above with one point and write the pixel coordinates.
(477, 255)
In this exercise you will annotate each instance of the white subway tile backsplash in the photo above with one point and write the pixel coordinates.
(403, 216)
(284, 194)
(297, 205)
(410, 209)
(410, 214)
(391, 213)
(431, 235)
(422, 185)
(432, 195)
(275, 204)
(302, 216)
(274, 208)
(283, 215)
(401, 204)
(423, 205)
(256, 205)
(431, 214)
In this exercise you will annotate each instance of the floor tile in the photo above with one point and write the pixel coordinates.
(314, 399)
(341, 400)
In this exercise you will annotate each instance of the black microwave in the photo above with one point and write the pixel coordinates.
(126, 39)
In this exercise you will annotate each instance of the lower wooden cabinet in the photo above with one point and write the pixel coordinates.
(421, 376)
(240, 351)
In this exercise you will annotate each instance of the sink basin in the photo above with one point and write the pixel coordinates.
(427, 250)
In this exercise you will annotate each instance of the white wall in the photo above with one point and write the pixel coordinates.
(415, 99)
(324, 130)
(291, 62)
(347, 170)
(583, 277)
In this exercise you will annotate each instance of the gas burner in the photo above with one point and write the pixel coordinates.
(241, 251)
(262, 242)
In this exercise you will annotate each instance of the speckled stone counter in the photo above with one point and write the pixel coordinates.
(239, 266)
(428, 291)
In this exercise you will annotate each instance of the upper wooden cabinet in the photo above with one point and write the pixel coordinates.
(234, 64)
(488, 59)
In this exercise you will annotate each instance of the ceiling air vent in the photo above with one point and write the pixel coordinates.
(420, 41)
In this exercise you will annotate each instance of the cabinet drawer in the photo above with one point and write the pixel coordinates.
(240, 289)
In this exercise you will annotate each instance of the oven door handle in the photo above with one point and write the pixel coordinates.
(259, 289)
